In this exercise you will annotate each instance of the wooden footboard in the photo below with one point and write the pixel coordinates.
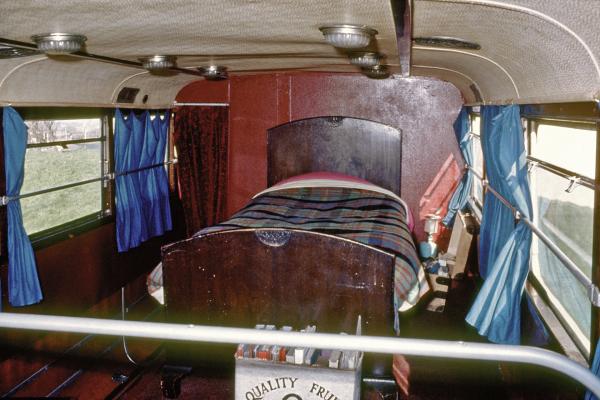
(274, 276)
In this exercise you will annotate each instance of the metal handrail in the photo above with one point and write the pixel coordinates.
(4, 200)
(373, 344)
(592, 290)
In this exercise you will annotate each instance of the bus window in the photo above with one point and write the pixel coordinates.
(59, 153)
(477, 190)
(564, 211)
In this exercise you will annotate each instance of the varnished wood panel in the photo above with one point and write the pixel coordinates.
(233, 278)
(422, 108)
(352, 146)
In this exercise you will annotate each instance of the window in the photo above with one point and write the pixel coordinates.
(477, 189)
(564, 211)
(64, 164)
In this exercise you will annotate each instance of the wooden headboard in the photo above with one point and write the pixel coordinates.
(353, 146)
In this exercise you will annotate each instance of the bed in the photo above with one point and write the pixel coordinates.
(318, 249)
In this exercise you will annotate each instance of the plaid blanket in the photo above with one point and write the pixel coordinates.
(362, 215)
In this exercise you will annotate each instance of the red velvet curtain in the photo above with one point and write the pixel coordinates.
(200, 136)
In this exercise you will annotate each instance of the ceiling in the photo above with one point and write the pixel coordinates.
(531, 50)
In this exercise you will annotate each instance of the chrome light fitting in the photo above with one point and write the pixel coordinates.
(376, 72)
(59, 43)
(348, 36)
(365, 59)
(158, 63)
(213, 72)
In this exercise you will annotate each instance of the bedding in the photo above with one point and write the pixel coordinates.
(349, 208)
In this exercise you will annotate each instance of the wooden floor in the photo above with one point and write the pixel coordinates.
(97, 368)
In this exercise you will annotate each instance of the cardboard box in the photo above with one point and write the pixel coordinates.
(267, 380)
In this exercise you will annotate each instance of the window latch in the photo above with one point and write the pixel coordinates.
(594, 295)
(574, 181)
(532, 165)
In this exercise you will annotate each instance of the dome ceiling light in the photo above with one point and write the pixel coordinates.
(376, 72)
(59, 43)
(348, 36)
(213, 72)
(365, 59)
(157, 64)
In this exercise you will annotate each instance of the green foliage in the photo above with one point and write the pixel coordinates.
(49, 167)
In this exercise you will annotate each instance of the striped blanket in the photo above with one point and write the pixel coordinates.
(366, 216)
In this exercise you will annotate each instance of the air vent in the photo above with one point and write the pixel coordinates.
(15, 52)
(446, 42)
(127, 95)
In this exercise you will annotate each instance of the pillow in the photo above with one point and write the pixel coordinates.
(323, 175)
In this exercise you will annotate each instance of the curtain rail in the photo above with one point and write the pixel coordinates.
(4, 200)
(175, 104)
(564, 173)
(592, 290)
(374, 344)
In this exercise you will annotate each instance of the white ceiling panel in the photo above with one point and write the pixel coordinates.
(534, 43)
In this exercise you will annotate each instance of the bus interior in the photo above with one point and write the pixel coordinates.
(424, 170)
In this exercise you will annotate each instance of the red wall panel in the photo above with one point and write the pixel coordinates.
(424, 109)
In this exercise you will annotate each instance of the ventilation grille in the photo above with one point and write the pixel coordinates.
(127, 95)
(446, 42)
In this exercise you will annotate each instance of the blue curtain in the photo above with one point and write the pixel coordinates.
(504, 246)
(154, 183)
(23, 283)
(461, 195)
(161, 127)
(497, 221)
(142, 200)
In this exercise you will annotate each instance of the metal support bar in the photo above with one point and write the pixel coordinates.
(592, 290)
(373, 344)
(4, 200)
(61, 356)
(562, 172)
(96, 57)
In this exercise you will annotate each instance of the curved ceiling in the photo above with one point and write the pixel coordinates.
(246, 36)
(532, 51)
(547, 50)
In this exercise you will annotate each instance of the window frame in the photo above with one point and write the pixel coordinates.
(80, 225)
(571, 115)
(557, 308)
(474, 200)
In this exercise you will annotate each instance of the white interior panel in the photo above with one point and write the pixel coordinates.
(546, 61)
(161, 91)
(491, 80)
(531, 50)
(131, 29)
(459, 80)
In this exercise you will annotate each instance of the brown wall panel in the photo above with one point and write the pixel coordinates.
(77, 273)
(423, 108)
(253, 109)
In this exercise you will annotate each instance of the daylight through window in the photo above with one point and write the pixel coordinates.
(62, 153)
